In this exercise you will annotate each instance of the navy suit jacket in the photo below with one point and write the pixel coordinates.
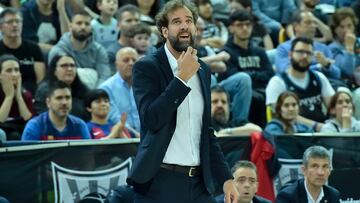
(158, 95)
(256, 199)
(296, 193)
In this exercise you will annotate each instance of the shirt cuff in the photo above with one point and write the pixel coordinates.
(182, 81)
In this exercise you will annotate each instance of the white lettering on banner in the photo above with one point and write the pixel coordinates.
(71, 185)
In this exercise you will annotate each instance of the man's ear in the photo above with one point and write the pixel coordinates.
(47, 102)
(302, 169)
(165, 32)
(88, 109)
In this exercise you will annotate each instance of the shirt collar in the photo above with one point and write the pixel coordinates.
(321, 195)
(171, 58)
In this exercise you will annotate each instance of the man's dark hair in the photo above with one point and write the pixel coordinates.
(126, 8)
(80, 12)
(220, 89)
(9, 11)
(201, 2)
(340, 15)
(94, 95)
(304, 40)
(243, 164)
(139, 28)
(162, 17)
(241, 15)
(55, 85)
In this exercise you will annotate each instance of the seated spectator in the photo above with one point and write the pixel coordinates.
(16, 103)
(246, 182)
(220, 116)
(56, 123)
(260, 34)
(148, 10)
(63, 68)
(346, 47)
(32, 66)
(273, 14)
(248, 59)
(316, 168)
(286, 113)
(119, 89)
(312, 87)
(305, 26)
(215, 33)
(98, 105)
(85, 51)
(127, 16)
(2, 136)
(105, 30)
(341, 110)
(44, 22)
(140, 39)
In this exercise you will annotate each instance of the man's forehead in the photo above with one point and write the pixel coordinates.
(303, 45)
(177, 13)
(319, 161)
(245, 172)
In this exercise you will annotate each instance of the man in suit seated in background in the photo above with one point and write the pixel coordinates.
(316, 168)
(246, 182)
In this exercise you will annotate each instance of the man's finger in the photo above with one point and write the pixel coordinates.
(194, 52)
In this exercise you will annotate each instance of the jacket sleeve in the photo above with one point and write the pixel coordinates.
(156, 102)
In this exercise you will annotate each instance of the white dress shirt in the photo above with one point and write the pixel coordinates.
(310, 198)
(184, 147)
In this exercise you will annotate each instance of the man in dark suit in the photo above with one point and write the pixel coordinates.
(316, 168)
(245, 177)
(178, 153)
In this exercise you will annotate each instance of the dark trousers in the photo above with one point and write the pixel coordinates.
(169, 186)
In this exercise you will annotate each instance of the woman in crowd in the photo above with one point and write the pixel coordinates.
(286, 113)
(341, 109)
(16, 103)
(63, 68)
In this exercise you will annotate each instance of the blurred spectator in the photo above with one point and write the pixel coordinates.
(304, 25)
(119, 89)
(273, 14)
(10, 3)
(215, 33)
(312, 87)
(286, 113)
(148, 10)
(140, 39)
(32, 65)
(356, 8)
(249, 59)
(86, 52)
(260, 34)
(105, 30)
(44, 22)
(56, 123)
(2, 137)
(98, 105)
(63, 68)
(127, 16)
(220, 116)
(346, 47)
(16, 103)
(341, 110)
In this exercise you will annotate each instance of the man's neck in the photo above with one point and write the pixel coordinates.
(241, 43)
(45, 9)
(124, 41)
(296, 74)
(12, 43)
(313, 190)
(128, 81)
(78, 45)
(305, 8)
(175, 53)
(145, 11)
(58, 122)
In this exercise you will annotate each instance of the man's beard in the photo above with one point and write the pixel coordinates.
(296, 65)
(219, 116)
(181, 46)
(81, 36)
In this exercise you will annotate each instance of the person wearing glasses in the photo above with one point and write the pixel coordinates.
(312, 87)
(62, 68)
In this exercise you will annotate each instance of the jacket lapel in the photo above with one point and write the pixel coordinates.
(165, 65)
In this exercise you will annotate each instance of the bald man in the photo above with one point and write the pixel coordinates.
(119, 89)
